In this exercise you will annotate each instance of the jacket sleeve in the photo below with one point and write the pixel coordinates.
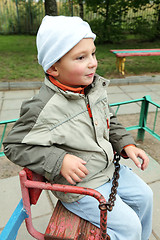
(42, 159)
(118, 135)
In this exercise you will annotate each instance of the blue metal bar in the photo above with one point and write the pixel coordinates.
(11, 229)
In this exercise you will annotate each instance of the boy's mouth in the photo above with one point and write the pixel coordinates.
(90, 75)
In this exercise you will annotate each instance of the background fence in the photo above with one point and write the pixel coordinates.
(24, 16)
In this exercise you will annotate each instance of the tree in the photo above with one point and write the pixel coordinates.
(109, 27)
(81, 9)
(81, 12)
(156, 6)
(114, 11)
(51, 7)
(153, 5)
(111, 10)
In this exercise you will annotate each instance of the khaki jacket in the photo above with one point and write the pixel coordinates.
(56, 122)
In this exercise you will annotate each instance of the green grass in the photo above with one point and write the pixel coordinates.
(18, 59)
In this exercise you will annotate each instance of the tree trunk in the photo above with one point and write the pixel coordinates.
(158, 11)
(50, 7)
(107, 11)
(158, 23)
(81, 13)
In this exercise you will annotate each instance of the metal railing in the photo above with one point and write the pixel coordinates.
(142, 126)
(4, 125)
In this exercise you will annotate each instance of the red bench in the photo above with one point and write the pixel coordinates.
(63, 224)
(66, 225)
(123, 53)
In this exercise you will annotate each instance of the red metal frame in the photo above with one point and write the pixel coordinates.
(29, 184)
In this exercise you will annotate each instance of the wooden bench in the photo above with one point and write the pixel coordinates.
(66, 225)
(123, 53)
(63, 224)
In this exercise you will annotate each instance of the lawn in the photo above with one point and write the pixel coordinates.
(18, 59)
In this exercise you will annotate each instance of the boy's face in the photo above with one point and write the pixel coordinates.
(78, 66)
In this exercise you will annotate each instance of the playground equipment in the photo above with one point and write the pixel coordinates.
(32, 185)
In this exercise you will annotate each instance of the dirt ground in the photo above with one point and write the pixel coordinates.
(150, 144)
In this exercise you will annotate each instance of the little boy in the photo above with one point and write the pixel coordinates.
(68, 133)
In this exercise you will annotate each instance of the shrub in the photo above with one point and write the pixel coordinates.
(106, 33)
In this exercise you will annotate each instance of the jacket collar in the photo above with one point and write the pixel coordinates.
(66, 88)
(96, 85)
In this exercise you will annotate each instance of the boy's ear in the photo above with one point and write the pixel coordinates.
(53, 71)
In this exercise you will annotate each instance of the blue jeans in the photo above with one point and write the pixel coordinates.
(131, 217)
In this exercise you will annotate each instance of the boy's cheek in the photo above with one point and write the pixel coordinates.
(78, 71)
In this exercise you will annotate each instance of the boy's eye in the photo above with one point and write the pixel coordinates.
(80, 58)
(94, 53)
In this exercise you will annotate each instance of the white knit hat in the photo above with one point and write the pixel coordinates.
(57, 35)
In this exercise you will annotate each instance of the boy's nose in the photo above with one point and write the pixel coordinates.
(93, 62)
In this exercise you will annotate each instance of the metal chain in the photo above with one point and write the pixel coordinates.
(112, 196)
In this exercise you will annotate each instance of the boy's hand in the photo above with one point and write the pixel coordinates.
(73, 169)
(133, 153)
